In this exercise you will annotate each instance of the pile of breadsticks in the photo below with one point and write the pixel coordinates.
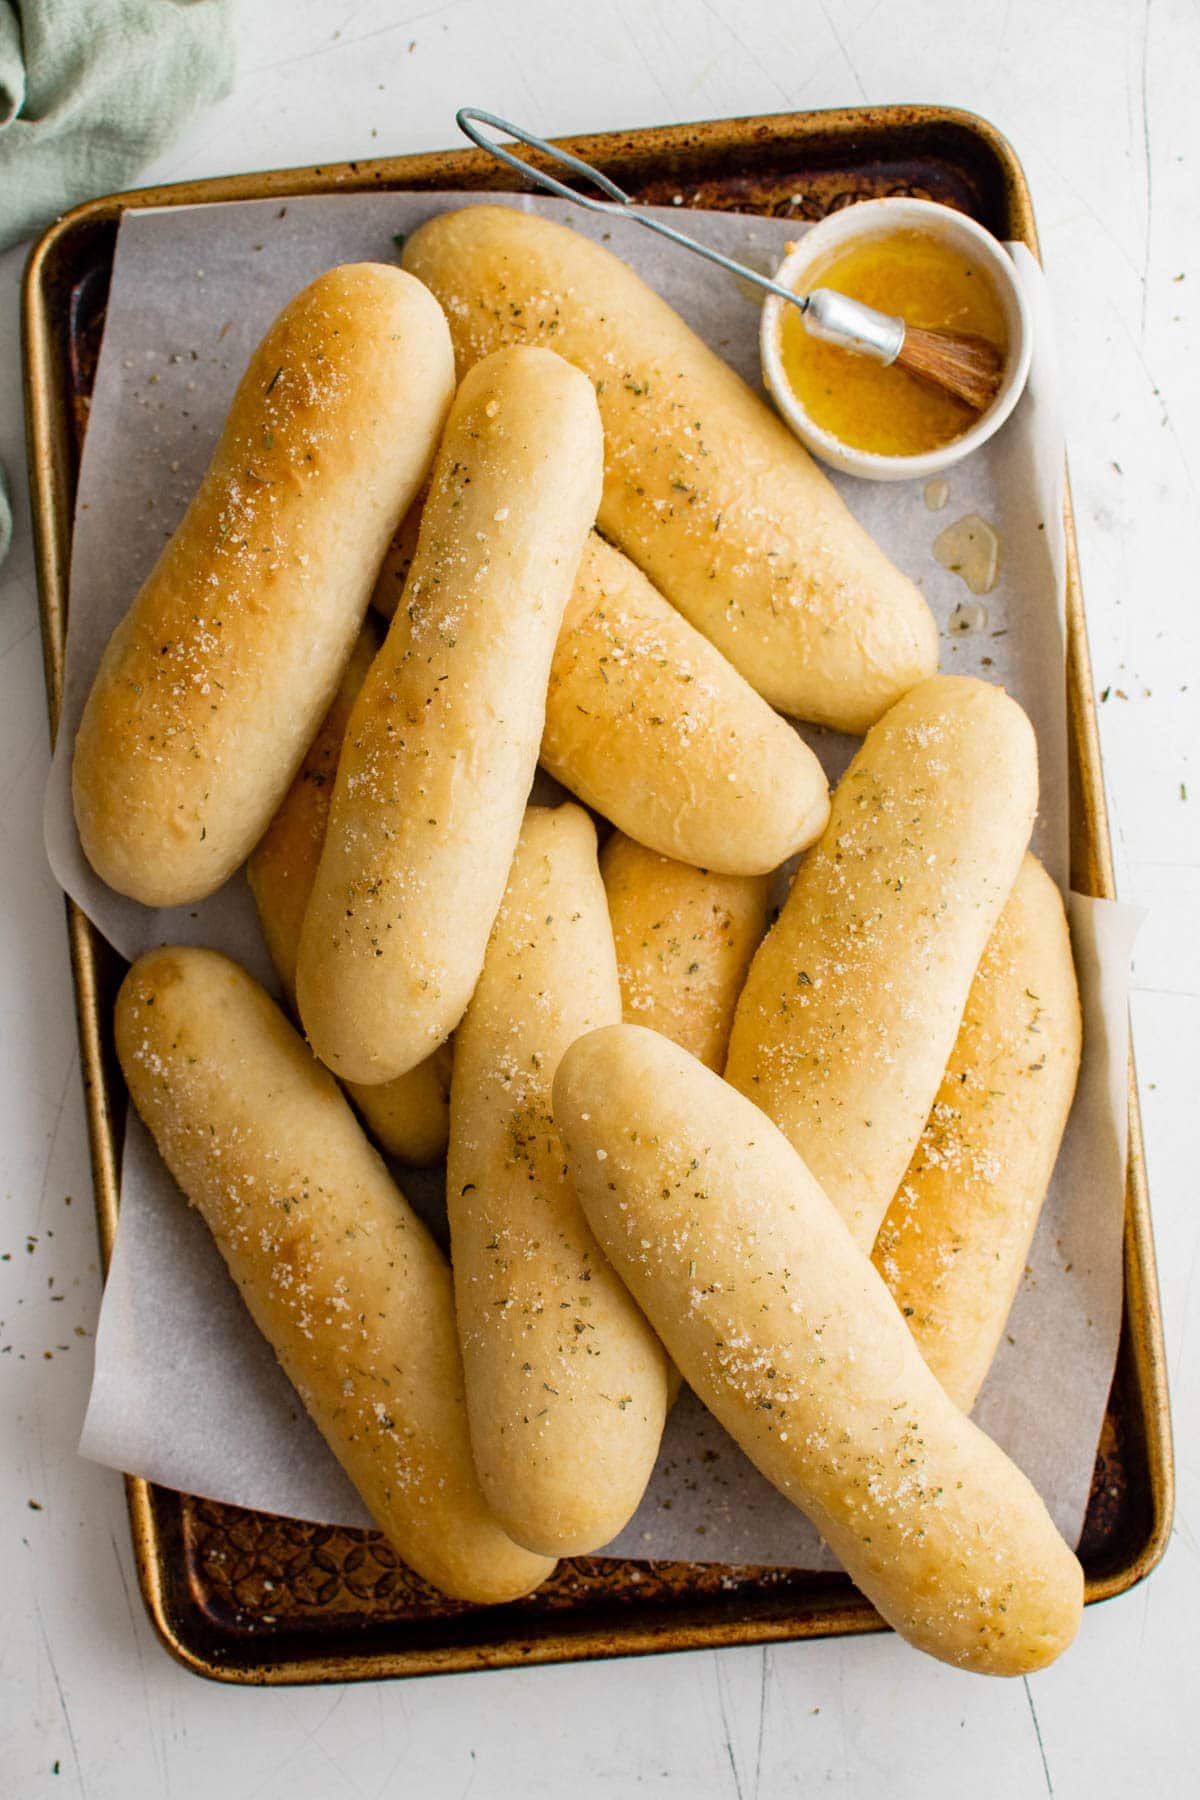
(804, 1172)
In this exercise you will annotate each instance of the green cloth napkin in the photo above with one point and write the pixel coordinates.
(90, 90)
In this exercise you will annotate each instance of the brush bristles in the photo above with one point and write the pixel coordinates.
(967, 367)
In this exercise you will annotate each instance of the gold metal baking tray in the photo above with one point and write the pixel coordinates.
(245, 1597)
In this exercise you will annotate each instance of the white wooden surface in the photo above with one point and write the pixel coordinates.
(1099, 97)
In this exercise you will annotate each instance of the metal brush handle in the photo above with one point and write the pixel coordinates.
(828, 315)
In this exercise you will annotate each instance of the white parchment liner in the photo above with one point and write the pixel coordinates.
(185, 1392)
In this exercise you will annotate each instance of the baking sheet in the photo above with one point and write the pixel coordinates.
(185, 1392)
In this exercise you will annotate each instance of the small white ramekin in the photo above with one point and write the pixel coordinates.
(879, 218)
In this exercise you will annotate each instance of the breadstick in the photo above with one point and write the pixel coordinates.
(340, 1276)
(216, 679)
(785, 1331)
(705, 487)
(954, 1241)
(684, 939)
(409, 1117)
(649, 725)
(282, 865)
(852, 1004)
(566, 1383)
(442, 743)
(398, 559)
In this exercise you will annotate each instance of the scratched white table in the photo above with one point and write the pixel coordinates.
(1101, 105)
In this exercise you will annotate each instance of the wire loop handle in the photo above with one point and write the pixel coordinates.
(470, 120)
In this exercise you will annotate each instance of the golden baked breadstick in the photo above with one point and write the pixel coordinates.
(705, 488)
(566, 1383)
(647, 722)
(216, 679)
(684, 939)
(339, 1275)
(852, 1003)
(398, 559)
(954, 1241)
(785, 1331)
(653, 728)
(282, 865)
(409, 1117)
(442, 743)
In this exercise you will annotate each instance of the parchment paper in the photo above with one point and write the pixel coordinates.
(185, 1391)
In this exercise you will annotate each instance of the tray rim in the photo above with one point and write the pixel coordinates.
(52, 529)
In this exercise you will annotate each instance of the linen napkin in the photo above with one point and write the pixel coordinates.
(89, 91)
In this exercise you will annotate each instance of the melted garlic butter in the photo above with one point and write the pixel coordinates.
(864, 405)
(970, 548)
